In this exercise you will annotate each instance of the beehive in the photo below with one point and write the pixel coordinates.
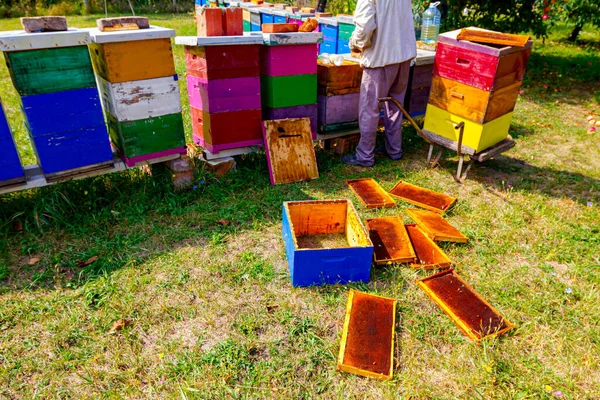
(53, 74)
(11, 170)
(140, 95)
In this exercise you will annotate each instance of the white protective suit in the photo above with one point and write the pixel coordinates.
(384, 32)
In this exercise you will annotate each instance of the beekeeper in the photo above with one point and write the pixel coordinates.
(385, 38)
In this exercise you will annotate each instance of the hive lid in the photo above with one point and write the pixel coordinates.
(289, 38)
(391, 242)
(422, 197)
(202, 41)
(451, 38)
(367, 345)
(428, 254)
(473, 315)
(435, 226)
(153, 32)
(370, 193)
(21, 40)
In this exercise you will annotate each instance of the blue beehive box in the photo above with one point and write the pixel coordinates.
(325, 243)
(11, 171)
(329, 27)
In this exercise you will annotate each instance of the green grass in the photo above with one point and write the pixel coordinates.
(212, 309)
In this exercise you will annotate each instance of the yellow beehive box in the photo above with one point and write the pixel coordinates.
(476, 136)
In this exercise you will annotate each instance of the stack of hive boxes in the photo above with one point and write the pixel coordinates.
(289, 76)
(279, 16)
(345, 29)
(224, 90)
(329, 27)
(477, 84)
(53, 74)
(339, 95)
(140, 92)
(11, 171)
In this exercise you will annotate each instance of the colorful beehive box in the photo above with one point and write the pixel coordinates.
(246, 15)
(329, 27)
(266, 15)
(289, 76)
(139, 89)
(339, 95)
(279, 16)
(224, 90)
(11, 170)
(345, 29)
(477, 84)
(53, 74)
(325, 243)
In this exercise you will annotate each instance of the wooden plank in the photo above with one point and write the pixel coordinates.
(112, 24)
(428, 254)
(61, 112)
(279, 28)
(435, 226)
(491, 37)
(141, 99)
(153, 32)
(451, 38)
(391, 242)
(304, 111)
(476, 136)
(495, 150)
(290, 152)
(428, 199)
(338, 109)
(370, 193)
(21, 40)
(43, 24)
(224, 95)
(224, 62)
(147, 136)
(467, 309)
(218, 40)
(289, 60)
(288, 91)
(50, 70)
(135, 60)
(281, 39)
(367, 344)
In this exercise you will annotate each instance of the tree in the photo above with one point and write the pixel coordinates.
(579, 12)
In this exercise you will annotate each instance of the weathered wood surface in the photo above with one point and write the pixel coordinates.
(222, 62)
(153, 32)
(218, 40)
(490, 37)
(44, 24)
(334, 79)
(65, 111)
(210, 22)
(290, 151)
(11, 171)
(309, 111)
(131, 61)
(370, 193)
(472, 103)
(224, 95)
(50, 70)
(147, 136)
(429, 255)
(228, 130)
(288, 91)
(423, 197)
(107, 24)
(476, 136)
(435, 226)
(279, 28)
(289, 60)
(143, 99)
(280, 39)
(338, 109)
(451, 38)
(21, 40)
(477, 69)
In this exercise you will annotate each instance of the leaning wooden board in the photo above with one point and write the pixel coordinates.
(290, 151)
(11, 170)
(467, 309)
(304, 111)
(367, 345)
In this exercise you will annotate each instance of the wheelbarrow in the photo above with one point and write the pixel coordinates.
(456, 146)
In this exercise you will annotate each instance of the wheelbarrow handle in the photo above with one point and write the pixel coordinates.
(407, 115)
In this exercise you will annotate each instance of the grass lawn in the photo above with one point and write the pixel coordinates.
(212, 310)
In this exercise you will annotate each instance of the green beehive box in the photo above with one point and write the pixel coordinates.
(288, 91)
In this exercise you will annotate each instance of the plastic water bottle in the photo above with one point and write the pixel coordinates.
(431, 23)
